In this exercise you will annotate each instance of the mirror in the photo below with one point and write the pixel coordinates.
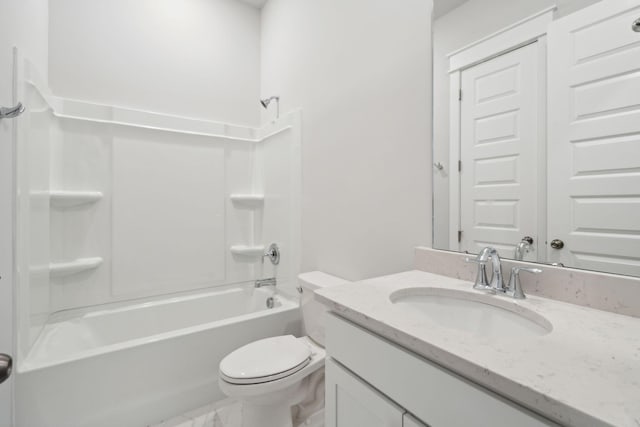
(536, 136)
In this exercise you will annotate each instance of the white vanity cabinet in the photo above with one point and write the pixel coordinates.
(355, 403)
(409, 421)
(375, 383)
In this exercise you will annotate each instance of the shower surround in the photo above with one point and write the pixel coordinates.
(121, 210)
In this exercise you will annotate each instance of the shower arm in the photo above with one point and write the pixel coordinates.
(265, 103)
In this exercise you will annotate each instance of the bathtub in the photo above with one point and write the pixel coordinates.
(137, 364)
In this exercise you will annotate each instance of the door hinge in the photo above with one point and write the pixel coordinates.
(460, 95)
(459, 165)
(459, 236)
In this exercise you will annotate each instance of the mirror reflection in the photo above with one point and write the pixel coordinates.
(537, 136)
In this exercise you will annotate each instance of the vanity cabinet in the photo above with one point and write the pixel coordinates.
(355, 403)
(373, 382)
(410, 421)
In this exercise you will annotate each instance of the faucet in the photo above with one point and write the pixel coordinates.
(513, 289)
(523, 247)
(266, 282)
(497, 281)
(481, 283)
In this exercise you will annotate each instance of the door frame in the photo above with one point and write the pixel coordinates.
(524, 32)
(8, 271)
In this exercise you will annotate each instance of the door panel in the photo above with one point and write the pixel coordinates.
(351, 402)
(594, 138)
(499, 152)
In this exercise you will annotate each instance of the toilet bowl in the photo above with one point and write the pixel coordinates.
(273, 376)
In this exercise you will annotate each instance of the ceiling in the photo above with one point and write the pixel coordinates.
(255, 3)
(440, 7)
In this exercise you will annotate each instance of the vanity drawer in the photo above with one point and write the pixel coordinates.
(433, 394)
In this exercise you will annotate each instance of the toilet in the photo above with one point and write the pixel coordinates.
(281, 378)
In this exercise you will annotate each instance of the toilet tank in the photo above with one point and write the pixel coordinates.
(313, 313)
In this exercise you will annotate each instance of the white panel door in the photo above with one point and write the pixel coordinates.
(594, 138)
(351, 402)
(499, 147)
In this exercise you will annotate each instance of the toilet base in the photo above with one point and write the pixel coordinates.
(273, 410)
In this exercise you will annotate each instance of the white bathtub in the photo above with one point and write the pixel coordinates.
(140, 363)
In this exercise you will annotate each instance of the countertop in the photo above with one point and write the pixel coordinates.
(585, 372)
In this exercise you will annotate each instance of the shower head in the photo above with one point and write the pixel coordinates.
(265, 103)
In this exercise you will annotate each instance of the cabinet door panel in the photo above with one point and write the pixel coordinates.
(352, 402)
(410, 421)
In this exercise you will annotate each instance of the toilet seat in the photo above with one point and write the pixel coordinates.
(265, 360)
(276, 387)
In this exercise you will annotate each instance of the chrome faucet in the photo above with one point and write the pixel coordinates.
(497, 281)
(513, 289)
(482, 282)
(266, 282)
(523, 247)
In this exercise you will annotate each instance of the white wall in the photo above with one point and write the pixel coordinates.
(361, 72)
(194, 58)
(481, 18)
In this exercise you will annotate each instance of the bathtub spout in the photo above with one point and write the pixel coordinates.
(266, 282)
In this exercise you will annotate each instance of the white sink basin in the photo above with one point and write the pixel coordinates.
(495, 318)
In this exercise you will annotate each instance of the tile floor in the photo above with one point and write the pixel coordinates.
(226, 413)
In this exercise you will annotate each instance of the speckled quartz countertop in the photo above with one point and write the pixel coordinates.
(585, 372)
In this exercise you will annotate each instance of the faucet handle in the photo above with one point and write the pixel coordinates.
(515, 287)
(482, 282)
(527, 269)
(273, 253)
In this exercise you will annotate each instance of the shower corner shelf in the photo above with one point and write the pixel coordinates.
(248, 251)
(69, 199)
(253, 200)
(69, 268)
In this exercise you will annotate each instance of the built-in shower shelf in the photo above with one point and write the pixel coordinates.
(252, 200)
(69, 199)
(248, 251)
(68, 268)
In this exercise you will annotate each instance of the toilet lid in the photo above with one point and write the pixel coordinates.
(265, 360)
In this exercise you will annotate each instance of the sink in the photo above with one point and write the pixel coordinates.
(487, 316)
